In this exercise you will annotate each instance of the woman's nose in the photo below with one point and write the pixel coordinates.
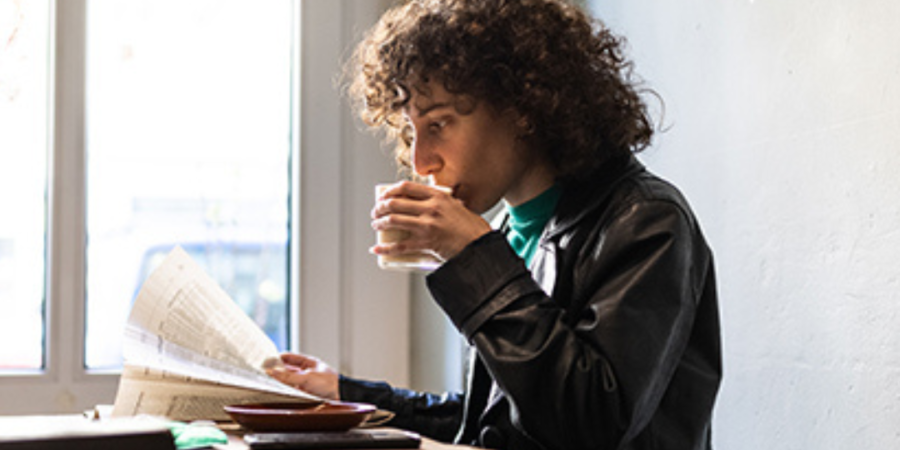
(426, 159)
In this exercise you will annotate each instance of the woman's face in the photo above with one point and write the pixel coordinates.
(477, 153)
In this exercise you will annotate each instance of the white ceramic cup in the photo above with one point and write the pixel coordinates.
(419, 261)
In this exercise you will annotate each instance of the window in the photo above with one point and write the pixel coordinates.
(188, 141)
(24, 77)
(353, 314)
(129, 127)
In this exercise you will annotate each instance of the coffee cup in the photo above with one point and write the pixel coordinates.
(416, 261)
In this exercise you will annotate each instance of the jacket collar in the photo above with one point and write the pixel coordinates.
(582, 197)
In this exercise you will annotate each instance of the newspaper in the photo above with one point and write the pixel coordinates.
(190, 350)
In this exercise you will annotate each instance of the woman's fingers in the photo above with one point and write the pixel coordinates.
(413, 190)
(414, 200)
(298, 360)
(435, 221)
(309, 374)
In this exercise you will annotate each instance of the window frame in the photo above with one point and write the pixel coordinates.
(65, 385)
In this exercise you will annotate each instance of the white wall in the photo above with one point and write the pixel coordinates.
(353, 315)
(785, 135)
(437, 350)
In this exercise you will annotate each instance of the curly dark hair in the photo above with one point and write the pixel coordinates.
(563, 72)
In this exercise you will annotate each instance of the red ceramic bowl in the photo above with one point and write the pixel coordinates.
(327, 416)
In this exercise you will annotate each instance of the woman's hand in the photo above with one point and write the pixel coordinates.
(309, 374)
(437, 222)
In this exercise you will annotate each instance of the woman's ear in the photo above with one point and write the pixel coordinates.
(523, 125)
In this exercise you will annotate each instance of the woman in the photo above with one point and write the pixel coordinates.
(591, 307)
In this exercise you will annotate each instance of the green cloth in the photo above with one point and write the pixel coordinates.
(188, 435)
(527, 221)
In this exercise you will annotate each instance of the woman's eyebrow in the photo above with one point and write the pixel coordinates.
(438, 105)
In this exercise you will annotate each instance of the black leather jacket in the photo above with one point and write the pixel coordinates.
(623, 354)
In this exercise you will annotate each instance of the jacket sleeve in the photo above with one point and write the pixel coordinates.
(590, 375)
(435, 416)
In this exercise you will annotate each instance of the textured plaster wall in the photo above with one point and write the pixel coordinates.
(784, 133)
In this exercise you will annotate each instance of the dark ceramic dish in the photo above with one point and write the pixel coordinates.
(326, 416)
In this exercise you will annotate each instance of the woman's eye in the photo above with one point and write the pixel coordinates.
(437, 125)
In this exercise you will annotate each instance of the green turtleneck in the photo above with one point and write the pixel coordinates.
(526, 222)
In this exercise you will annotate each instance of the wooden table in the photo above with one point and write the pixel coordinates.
(78, 432)
(236, 442)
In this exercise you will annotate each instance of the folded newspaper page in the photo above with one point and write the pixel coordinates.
(190, 350)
